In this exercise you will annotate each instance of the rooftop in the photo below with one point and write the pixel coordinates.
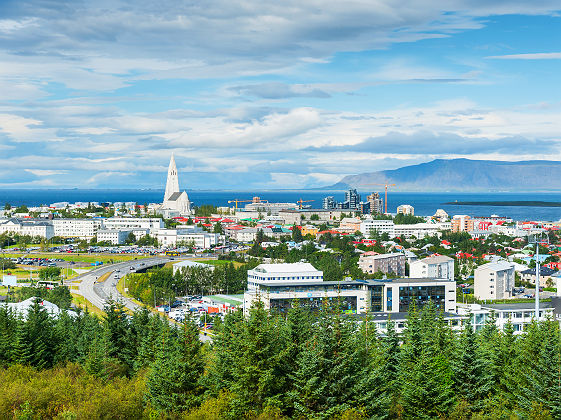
(286, 268)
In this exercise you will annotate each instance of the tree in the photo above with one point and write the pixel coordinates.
(296, 234)
(131, 239)
(472, 377)
(173, 382)
(7, 206)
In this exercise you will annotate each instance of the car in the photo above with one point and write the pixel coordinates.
(131, 268)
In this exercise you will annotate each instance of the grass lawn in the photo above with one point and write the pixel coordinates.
(104, 277)
(81, 302)
(121, 290)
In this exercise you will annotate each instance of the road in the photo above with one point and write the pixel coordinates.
(98, 293)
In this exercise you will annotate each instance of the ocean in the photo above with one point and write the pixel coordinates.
(425, 204)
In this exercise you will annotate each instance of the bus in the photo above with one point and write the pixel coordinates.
(172, 254)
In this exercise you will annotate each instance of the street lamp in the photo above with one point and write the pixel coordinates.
(538, 240)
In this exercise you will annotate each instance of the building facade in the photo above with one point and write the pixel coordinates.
(406, 209)
(438, 267)
(494, 281)
(385, 263)
(279, 286)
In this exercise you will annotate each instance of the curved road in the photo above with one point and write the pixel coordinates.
(99, 293)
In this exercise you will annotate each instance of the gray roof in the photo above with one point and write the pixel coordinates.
(544, 271)
(175, 196)
(514, 306)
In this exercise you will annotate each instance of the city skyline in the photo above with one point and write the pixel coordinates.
(261, 96)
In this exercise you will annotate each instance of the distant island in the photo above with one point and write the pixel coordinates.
(505, 203)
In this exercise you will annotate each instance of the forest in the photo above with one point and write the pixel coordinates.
(300, 366)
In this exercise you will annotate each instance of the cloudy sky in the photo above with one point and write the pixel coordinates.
(268, 94)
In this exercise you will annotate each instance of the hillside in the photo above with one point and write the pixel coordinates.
(464, 175)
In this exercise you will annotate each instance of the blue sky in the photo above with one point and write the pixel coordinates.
(266, 94)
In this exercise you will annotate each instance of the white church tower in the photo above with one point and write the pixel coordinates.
(175, 203)
(172, 184)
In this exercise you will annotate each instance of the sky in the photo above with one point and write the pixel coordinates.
(266, 94)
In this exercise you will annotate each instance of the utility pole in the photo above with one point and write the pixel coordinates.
(537, 281)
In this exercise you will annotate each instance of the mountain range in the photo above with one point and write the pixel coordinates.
(463, 175)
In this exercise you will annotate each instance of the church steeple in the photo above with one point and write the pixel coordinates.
(172, 185)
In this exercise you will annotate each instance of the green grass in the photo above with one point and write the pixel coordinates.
(103, 277)
(81, 302)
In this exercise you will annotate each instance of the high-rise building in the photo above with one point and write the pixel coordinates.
(352, 199)
(329, 203)
(376, 203)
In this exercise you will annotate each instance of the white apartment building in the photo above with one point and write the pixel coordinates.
(114, 236)
(152, 224)
(420, 230)
(371, 226)
(77, 228)
(494, 281)
(417, 230)
(437, 267)
(187, 236)
(42, 228)
(302, 272)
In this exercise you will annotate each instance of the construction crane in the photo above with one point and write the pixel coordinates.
(303, 201)
(239, 201)
(385, 195)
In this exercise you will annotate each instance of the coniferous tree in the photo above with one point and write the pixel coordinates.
(174, 381)
(472, 377)
(425, 373)
(40, 335)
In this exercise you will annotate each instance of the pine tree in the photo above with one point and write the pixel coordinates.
(473, 379)
(40, 335)
(424, 372)
(22, 351)
(8, 327)
(543, 377)
(174, 380)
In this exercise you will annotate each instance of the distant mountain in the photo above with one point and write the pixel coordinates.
(463, 175)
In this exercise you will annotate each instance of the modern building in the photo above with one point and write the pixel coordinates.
(406, 209)
(461, 223)
(437, 267)
(352, 200)
(417, 230)
(175, 203)
(494, 281)
(385, 263)
(329, 203)
(376, 203)
(518, 314)
(279, 286)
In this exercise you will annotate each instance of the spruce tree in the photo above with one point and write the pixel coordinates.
(472, 377)
(174, 380)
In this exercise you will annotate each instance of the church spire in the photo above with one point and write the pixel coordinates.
(172, 185)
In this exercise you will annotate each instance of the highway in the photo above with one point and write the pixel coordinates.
(98, 293)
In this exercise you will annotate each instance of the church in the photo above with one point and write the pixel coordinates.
(175, 203)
